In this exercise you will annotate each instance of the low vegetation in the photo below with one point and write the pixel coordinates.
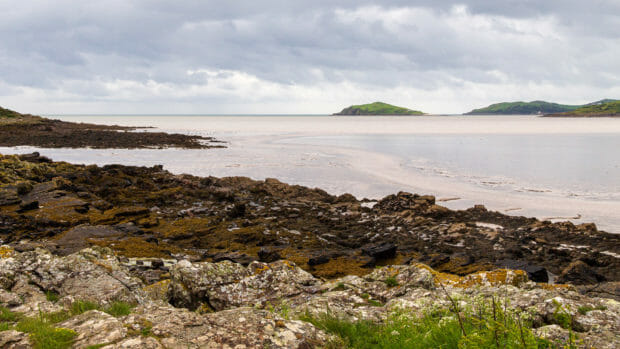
(487, 324)
(604, 109)
(534, 107)
(42, 329)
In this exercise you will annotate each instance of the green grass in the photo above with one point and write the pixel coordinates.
(118, 309)
(485, 325)
(6, 315)
(115, 309)
(378, 108)
(97, 346)
(79, 307)
(44, 335)
(52, 296)
(391, 281)
(583, 310)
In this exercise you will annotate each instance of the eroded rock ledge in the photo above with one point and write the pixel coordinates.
(213, 305)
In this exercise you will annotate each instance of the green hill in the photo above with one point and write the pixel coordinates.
(593, 110)
(377, 108)
(535, 107)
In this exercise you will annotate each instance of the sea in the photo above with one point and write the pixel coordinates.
(550, 168)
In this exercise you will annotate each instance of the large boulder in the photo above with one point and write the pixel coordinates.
(225, 285)
(234, 328)
(191, 283)
(93, 328)
(91, 274)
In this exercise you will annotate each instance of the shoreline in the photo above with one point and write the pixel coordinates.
(150, 212)
(29, 130)
(359, 172)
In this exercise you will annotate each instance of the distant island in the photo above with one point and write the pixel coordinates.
(533, 108)
(592, 110)
(377, 108)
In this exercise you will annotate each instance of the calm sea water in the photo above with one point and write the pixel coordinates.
(526, 165)
(565, 164)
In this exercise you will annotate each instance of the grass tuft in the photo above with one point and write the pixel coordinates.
(52, 296)
(44, 335)
(118, 309)
(79, 307)
(6, 315)
(391, 281)
(484, 325)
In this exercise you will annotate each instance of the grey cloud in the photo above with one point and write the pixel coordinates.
(72, 43)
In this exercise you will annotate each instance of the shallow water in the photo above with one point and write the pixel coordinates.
(523, 165)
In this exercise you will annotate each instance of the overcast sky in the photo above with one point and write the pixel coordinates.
(268, 56)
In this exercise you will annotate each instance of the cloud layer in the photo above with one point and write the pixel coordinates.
(303, 56)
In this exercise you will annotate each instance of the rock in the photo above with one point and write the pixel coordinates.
(12, 339)
(8, 197)
(34, 157)
(268, 255)
(553, 333)
(318, 260)
(91, 274)
(94, 327)
(77, 238)
(28, 206)
(534, 272)
(602, 290)
(381, 251)
(271, 282)
(9, 299)
(235, 257)
(190, 283)
(136, 343)
(579, 273)
(235, 328)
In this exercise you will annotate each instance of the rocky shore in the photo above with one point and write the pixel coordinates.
(91, 299)
(20, 129)
(190, 254)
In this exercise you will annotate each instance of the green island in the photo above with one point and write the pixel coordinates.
(378, 108)
(594, 110)
(534, 107)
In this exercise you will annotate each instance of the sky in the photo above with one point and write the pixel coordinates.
(303, 57)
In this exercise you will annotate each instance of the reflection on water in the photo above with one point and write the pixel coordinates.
(565, 164)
